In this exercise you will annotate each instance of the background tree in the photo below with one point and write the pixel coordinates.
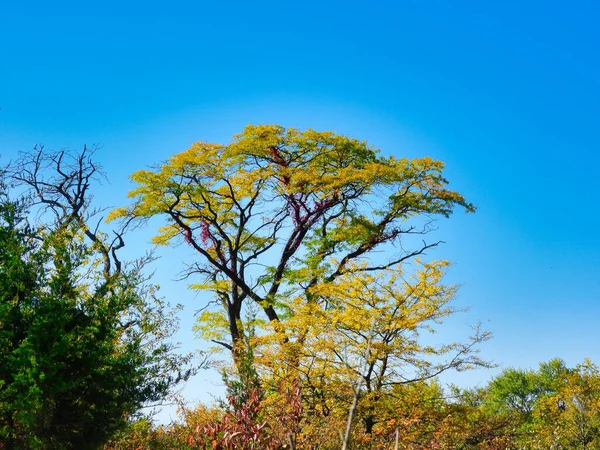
(515, 391)
(570, 416)
(84, 341)
(518, 391)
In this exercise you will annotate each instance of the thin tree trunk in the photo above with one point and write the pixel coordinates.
(351, 415)
(359, 382)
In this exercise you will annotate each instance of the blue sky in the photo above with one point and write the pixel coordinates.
(506, 93)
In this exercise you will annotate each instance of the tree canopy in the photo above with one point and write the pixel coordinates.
(277, 211)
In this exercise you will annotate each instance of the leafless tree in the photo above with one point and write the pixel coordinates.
(59, 182)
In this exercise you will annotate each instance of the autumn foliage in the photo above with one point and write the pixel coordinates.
(564, 415)
(322, 297)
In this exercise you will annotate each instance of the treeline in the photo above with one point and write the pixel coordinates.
(554, 407)
(314, 252)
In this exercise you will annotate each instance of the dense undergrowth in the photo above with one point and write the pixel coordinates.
(554, 407)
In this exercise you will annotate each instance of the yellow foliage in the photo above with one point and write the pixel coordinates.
(290, 220)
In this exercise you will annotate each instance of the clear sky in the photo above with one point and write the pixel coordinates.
(506, 93)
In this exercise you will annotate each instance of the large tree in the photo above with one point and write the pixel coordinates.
(279, 211)
(84, 342)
